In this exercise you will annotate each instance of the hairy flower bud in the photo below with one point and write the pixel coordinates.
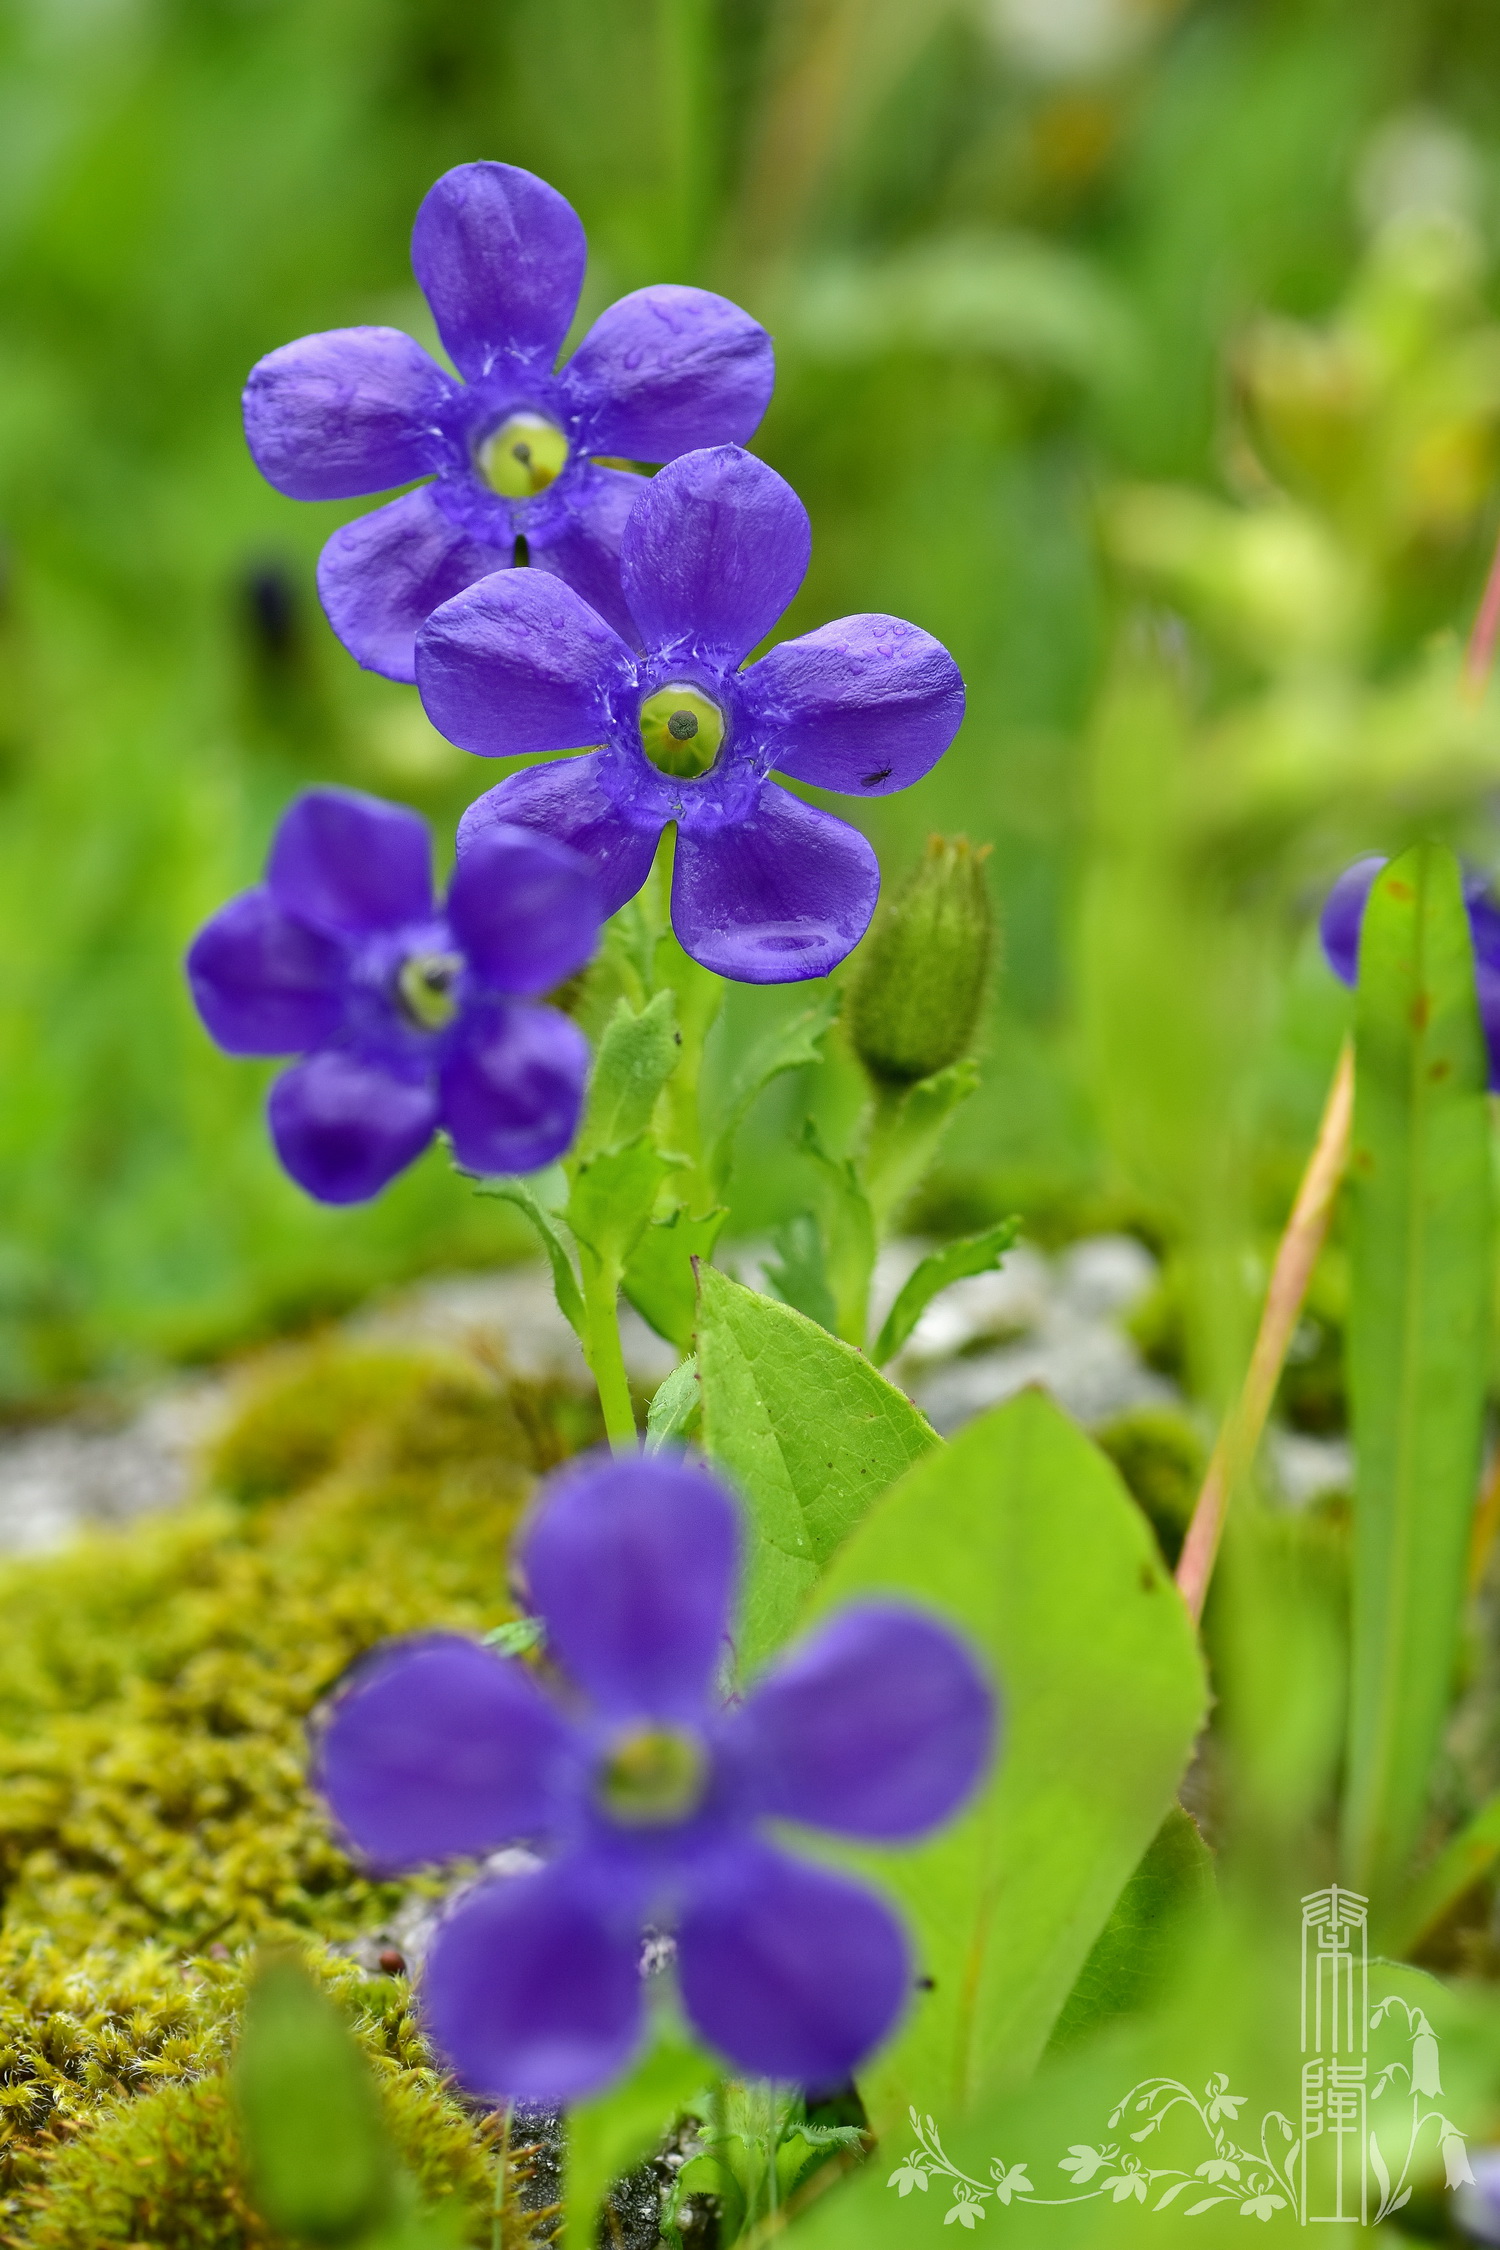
(921, 979)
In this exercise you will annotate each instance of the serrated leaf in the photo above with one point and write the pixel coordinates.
(564, 1281)
(809, 1433)
(673, 1414)
(309, 2117)
(1022, 1533)
(1420, 1211)
(954, 1261)
(613, 1196)
(786, 1046)
(659, 1278)
(610, 2135)
(636, 1057)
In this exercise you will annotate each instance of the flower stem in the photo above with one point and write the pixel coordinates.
(601, 1311)
(1296, 1255)
(502, 2168)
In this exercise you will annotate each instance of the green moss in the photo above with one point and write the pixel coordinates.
(166, 2168)
(155, 1688)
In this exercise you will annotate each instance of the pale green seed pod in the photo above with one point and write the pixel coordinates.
(922, 970)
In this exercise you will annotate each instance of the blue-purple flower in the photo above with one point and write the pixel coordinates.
(408, 1015)
(1343, 917)
(651, 1798)
(765, 888)
(511, 448)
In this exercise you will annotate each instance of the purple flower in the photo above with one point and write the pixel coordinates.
(1343, 917)
(765, 888)
(650, 1797)
(500, 258)
(408, 1016)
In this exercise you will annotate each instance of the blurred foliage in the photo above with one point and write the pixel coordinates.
(1154, 336)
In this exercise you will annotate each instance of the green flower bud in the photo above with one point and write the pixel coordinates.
(522, 457)
(921, 976)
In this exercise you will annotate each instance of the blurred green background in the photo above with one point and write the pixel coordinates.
(1141, 351)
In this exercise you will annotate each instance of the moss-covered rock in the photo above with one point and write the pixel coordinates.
(155, 1821)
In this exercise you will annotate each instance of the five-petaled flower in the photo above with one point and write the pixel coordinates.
(765, 888)
(966, 2210)
(647, 1798)
(511, 448)
(1084, 2162)
(1262, 2206)
(1123, 2185)
(1343, 918)
(906, 2177)
(1010, 2181)
(1219, 2101)
(408, 1015)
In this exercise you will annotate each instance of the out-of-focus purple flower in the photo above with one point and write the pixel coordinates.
(649, 1798)
(765, 888)
(1477, 2202)
(1343, 918)
(408, 1015)
(511, 448)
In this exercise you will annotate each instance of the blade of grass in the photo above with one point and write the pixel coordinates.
(1418, 1342)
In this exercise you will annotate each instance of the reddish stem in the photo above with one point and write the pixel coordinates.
(1296, 1255)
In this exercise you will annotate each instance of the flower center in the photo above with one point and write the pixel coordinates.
(523, 456)
(653, 1775)
(681, 730)
(426, 988)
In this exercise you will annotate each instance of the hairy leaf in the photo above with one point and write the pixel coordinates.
(955, 1261)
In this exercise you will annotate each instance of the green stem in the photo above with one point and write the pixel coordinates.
(601, 1312)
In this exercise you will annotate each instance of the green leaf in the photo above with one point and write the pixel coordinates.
(609, 2136)
(636, 1057)
(1022, 1533)
(848, 1236)
(659, 1279)
(1419, 1194)
(564, 1281)
(1132, 1958)
(786, 1046)
(809, 1433)
(800, 1274)
(955, 1261)
(907, 1132)
(613, 1196)
(673, 1414)
(309, 2116)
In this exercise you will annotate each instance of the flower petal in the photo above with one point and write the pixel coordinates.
(632, 1564)
(524, 908)
(783, 896)
(867, 704)
(668, 369)
(343, 1128)
(715, 549)
(531, 1990)
(512, 1088)
(791, 1972)
(265, 984)
(351, 863)
(381, 577)
(879, 1725)
(437, 1749)
(1344, 912)
(565, 800)
(583, 546)
(519, 665)
(499, 256)
(353, 410)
